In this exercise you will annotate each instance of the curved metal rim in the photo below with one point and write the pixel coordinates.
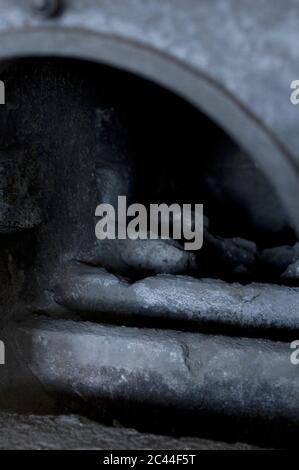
(203, 92)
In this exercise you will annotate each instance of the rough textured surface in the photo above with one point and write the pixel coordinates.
(238, 377)
(93, 292)
(25, 432)
(131, 257)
